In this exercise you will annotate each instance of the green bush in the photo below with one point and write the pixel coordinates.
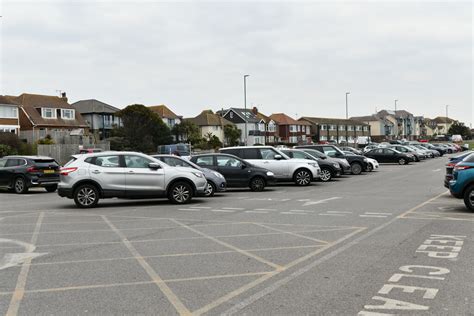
(10, 139)
(46, 141)
(6, 150)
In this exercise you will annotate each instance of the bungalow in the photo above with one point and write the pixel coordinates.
(100, 117)
(9, 118)
(209, 122)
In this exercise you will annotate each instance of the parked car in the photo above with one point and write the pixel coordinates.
(352, 150)
(429, 152)
(462, 184)
(452, 161)
(215, 181)
(389, 155)
(329, 169)
(237, 172)
(440, 150)
(357, 163)
(343, 163)
(373, 164)
(370, 147)
(418, 156)
(90, 177)
(422, 153)
(90, 150)
(19, 173)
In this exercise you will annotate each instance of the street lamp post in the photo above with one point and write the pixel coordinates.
(447, 119)
(396, 105)
(245, 107)
(347, 106)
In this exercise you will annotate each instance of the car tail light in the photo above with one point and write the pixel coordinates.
(463, 167)
(450, 164)
(67, 171)
(32, 169)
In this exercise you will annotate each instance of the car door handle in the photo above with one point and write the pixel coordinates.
(265, 162)
(95, 171)
(131, 171)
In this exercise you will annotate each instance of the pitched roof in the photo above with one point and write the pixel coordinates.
(336, 121)
(251, 117)
(7, 100)
(163, 111)
(94, 106)
(31, 103)
(398, 113)
(443, 119)
(283, 119)
(209, 118)
(367, 118)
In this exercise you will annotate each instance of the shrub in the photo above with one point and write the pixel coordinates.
(6, 150)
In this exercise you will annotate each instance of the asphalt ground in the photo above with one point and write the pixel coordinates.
(387, 242)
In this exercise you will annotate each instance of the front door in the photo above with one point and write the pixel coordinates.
(108, 171)
(278, 166)
(140, 179)
(231, 169)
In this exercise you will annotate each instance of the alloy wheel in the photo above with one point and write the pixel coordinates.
(86, 196)
(257, 184)
(325, 175)
(303, 177)
(209, 190)
(401, 161)
(19, 185)
(181, 193)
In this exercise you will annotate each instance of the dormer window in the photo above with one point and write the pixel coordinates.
(67, 114)
(48, 113)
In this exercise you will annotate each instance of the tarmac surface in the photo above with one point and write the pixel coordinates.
(387, 242)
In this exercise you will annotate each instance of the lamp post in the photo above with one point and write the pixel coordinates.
(396, 105)
(447, 119)
(245, 107)
(347, 106)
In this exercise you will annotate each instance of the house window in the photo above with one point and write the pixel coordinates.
(308, 130)
(332, 127)
(350, 128)
(324, 127)
(292, 128)
(8, 112)
(323, 137)
(342, 127)
(67, 114)
(293, 139)
(48, 113)
(358, 128)
(365, 128)
(231, 115)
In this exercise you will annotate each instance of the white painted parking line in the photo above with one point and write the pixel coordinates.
(234, 208)
(304, 200)
(331, 214)
(436, 170)
(373, 213)
(188, 209)
(265, 209)
(200, 207)
(302, 211)
(321, 201)
(292, 213)
(223, 211)
(373, 216)
(339, 212)
(257, 212)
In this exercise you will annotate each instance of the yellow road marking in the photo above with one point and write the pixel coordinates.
(421, 205)
(172, 298)
(246, 253)
(19, 292)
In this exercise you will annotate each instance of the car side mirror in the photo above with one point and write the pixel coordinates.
(154, 165)
(243, 166)
(278, 157)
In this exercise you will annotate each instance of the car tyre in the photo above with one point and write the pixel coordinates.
(257, 184)
(302, 177)
(51, 188)
(210, 189)
(370, 167)
(469, 198)
(356, 168)
(402, 161)
(326, 175)
(180, 193)
(86, 196)
(20, 186)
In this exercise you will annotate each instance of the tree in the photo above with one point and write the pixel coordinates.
(232, 135)
(143, 130)
(187, 131)
(458, 128)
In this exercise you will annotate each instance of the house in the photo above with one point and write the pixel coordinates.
(209, 122)
(9, 117)
(334, 129)
(246, 120)
(381, 128)
(292, 131)
(442, 124)
(42, 115)
(168, 116)
(99, 116)
(271, 127)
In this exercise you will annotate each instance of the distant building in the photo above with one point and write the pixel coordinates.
(99, 116)
(334, 129)
(209, 122)
(168, 116)
(9, 117)
(245, 117)
(271, 127)
(292, 131)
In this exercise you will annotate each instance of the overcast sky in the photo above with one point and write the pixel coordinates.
(301, 56)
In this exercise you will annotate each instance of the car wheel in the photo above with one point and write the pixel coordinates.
(469, 198)
(370, 167)
(19, 185)
(51, 188)
(356, 168)
(86, 196)
(180, 193)
(257, 184)
(302, 177)
(210, 189)
(402, 161)
(325, 175)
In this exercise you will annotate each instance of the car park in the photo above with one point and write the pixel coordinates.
(90, 177)
(19, 173)
(357, 163)
(440, 150)
(462, 184)
(299, 171)
(452, 161)
(389, 155)
(408, 150)
(237, 172)
(343, 163)
(329, 169)
(215, 180)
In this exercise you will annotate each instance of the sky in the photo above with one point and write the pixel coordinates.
(301, 57)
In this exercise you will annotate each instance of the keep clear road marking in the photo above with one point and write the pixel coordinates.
(321, 201)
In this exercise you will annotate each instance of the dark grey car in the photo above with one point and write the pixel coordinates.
(215, 181)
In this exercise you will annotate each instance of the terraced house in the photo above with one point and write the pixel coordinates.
(338, 130)
(9, 118)
(292, 131)
(271, 127)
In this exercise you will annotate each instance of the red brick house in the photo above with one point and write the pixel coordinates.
(292, 131)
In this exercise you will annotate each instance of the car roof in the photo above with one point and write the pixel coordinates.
(244, 147)
(29, 157)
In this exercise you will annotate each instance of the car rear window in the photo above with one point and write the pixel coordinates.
(45, 162)
(70, 161)
(251, 153)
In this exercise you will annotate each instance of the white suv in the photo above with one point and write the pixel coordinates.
(90, 177)
(301, 171)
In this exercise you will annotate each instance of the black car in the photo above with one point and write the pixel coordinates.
(329, 169)
(407, 150)
(358, 163)
(237, 172)
(19, 173)
(352, 150)
(343, 163)
(387, 155)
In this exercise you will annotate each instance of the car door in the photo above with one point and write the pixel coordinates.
(376, 154)
(234, 170)
(390, 155)
(4, 173)
(8, 172)
(279, 167)
(140, 179)
(108, 171)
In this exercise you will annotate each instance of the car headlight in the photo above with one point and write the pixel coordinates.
(198, 174)
(217, 174)
(313, 164)
(270, 174)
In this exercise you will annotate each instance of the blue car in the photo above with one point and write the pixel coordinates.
(462, 185)
(450, 166)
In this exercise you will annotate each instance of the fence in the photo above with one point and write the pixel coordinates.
(59, 137)
(62, 152)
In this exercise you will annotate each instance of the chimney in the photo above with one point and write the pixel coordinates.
(255, 110)
(63, 96)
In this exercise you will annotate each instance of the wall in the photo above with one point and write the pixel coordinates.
(62, 152)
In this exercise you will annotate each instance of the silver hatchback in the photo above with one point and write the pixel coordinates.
(90, 177)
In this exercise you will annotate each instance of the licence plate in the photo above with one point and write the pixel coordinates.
(48, 171)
